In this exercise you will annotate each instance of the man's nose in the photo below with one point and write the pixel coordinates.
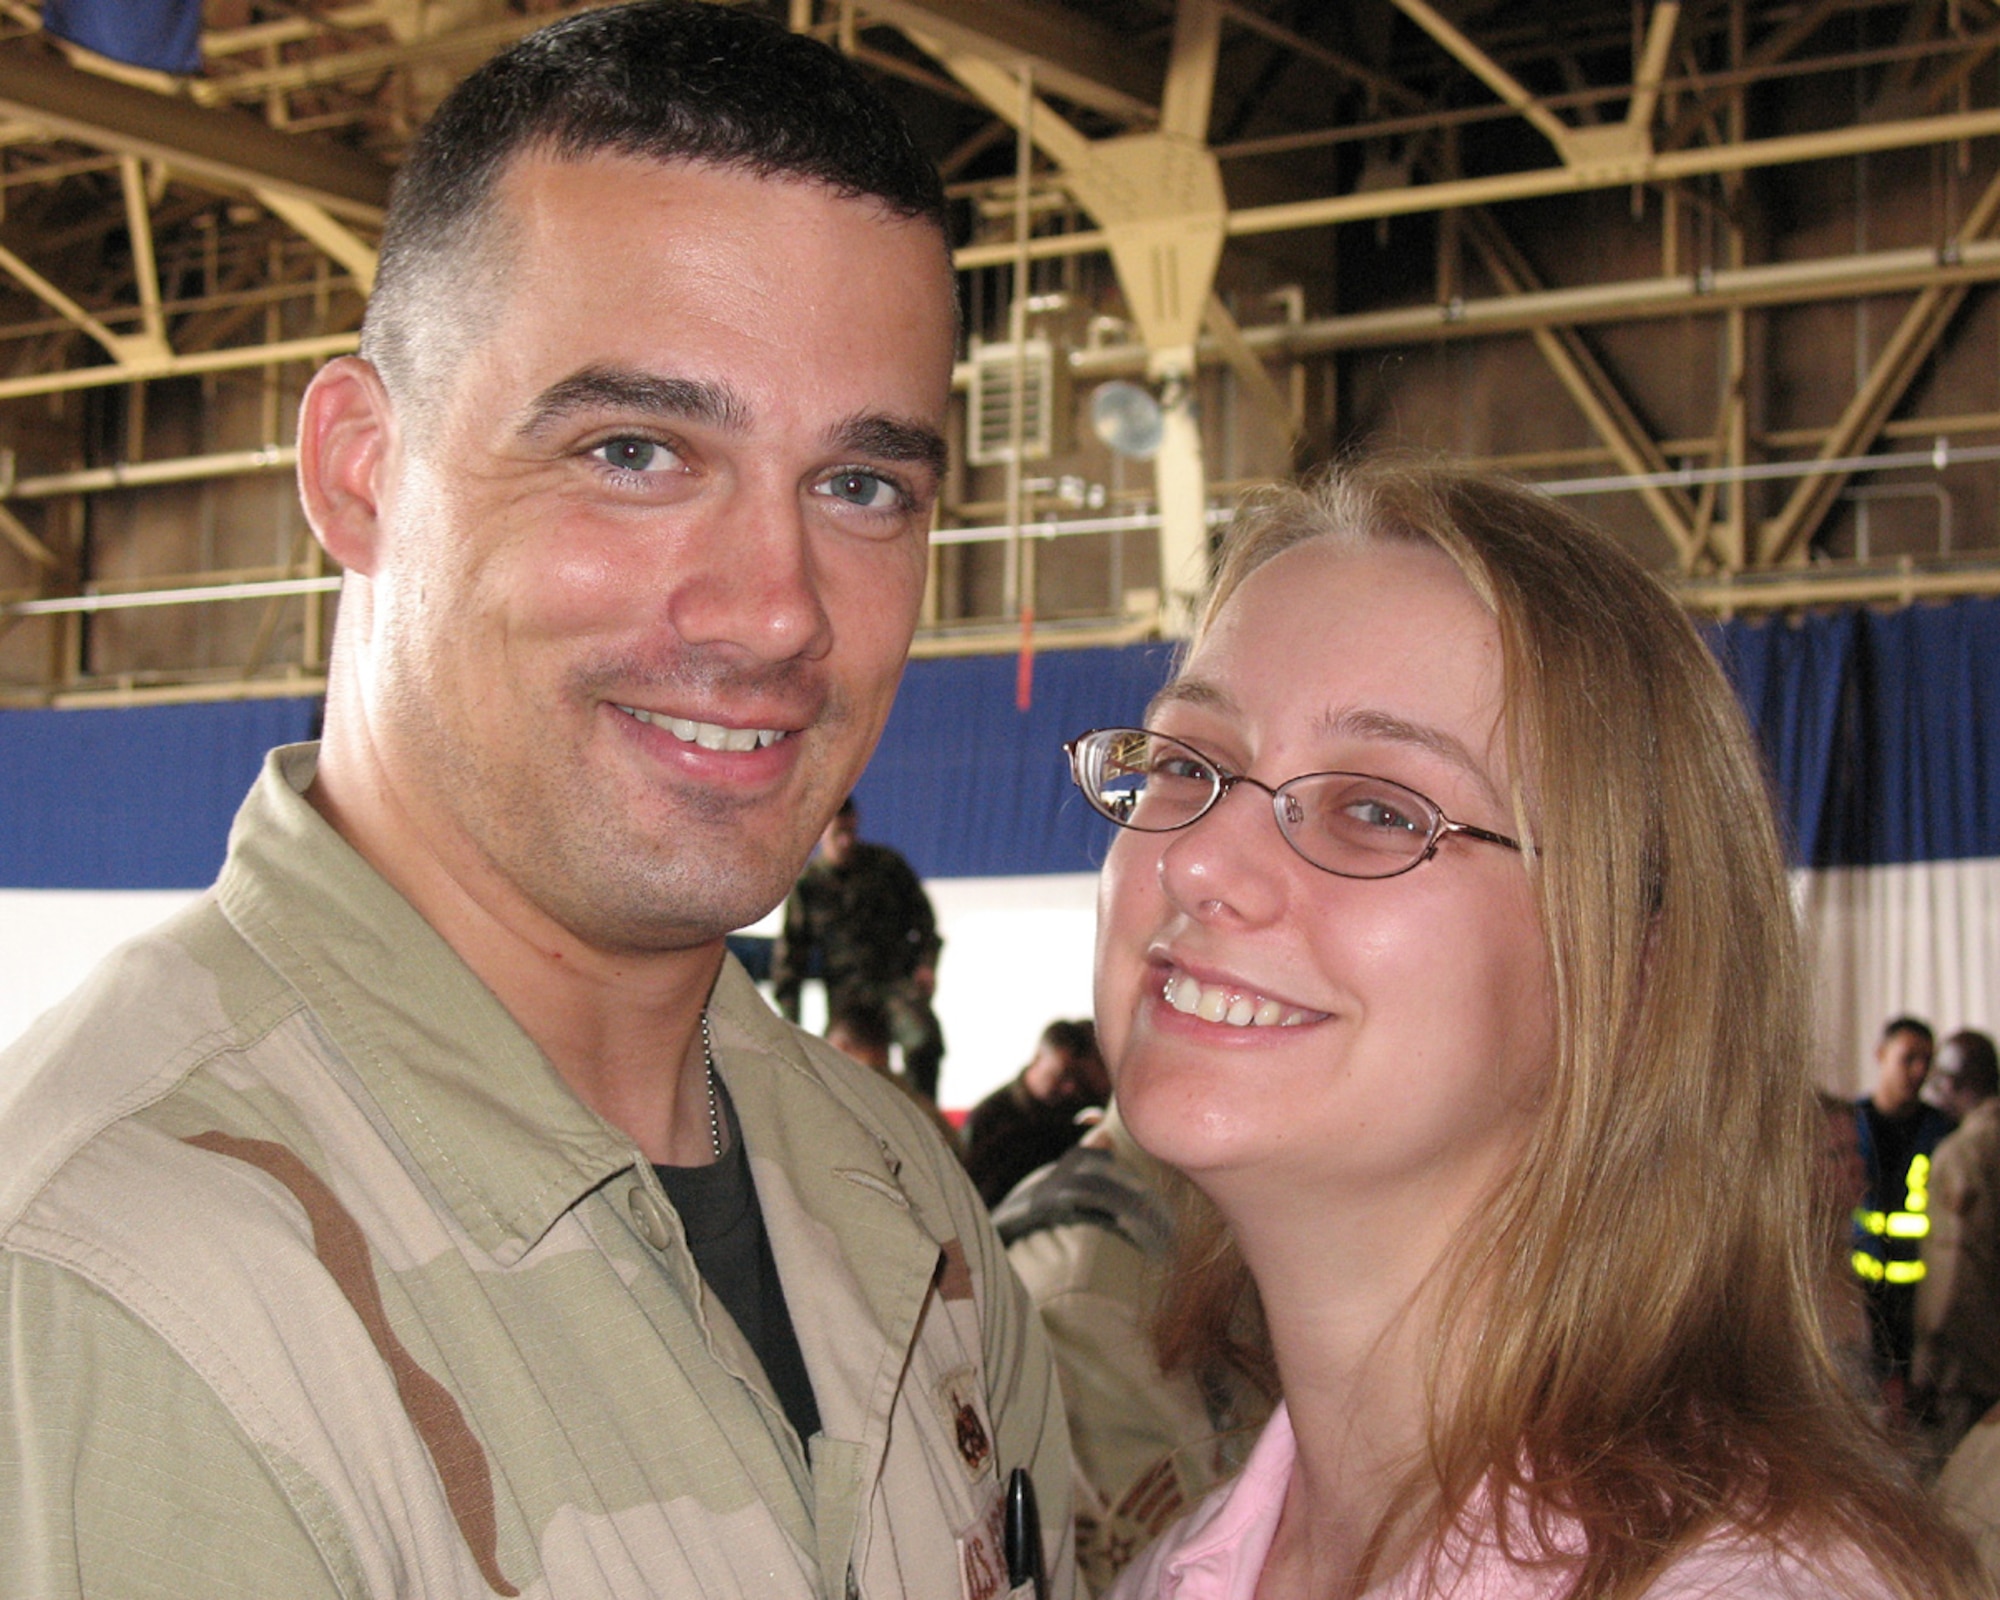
(747, 578)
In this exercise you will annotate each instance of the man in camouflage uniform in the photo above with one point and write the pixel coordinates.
(1955, 1374)
(1090, 1235)
(432, 1210)
(858, 918)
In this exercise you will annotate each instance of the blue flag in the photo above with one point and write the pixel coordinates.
(162, 34)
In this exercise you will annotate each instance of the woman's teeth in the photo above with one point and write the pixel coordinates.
(1218, 1003)
(709, 735)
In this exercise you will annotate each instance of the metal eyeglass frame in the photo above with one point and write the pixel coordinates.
(1222, 780)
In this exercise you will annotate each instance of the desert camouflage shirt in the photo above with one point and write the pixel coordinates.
(316, 1280)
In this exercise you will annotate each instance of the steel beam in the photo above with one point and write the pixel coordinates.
(233, 359)
(1663, 167)
(1579, 371)
(1916, 336)
(1386, 88)
(314, 223)
(1190, 89)
(226, 147)
(1489, 72)
(151, 342)
(1068, 55)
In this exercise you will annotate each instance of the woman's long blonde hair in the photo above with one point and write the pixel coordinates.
(1650, 1365)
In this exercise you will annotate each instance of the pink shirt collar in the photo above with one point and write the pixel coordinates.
(1218, 1552)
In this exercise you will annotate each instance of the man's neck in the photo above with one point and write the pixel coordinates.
(622, 1029)
(1897, 1111)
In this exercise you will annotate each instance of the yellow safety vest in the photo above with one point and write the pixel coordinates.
(1896, 1236)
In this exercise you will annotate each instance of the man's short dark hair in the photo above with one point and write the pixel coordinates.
(1978, 1063)
(866, 1022)
(1916, 1025)
(1077, 1040)
(661, 80)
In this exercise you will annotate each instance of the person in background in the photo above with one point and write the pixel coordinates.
(1446, 946)
(1898, 1134)
(1955, 1371)
(860, 1031)
(859, 920)
(1033, 1117)
(433, 1209)
(1090, 1235)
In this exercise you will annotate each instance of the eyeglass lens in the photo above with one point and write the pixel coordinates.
(1343, 822)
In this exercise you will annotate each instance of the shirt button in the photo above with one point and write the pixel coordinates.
(648, 1218)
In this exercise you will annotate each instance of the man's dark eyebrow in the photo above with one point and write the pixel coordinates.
(651, 394)
(886, 439)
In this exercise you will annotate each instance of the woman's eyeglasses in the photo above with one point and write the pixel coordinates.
(1346, 823)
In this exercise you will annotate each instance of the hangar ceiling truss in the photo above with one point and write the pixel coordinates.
(218, 233)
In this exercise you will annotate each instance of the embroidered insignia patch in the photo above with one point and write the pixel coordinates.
(958, 1404)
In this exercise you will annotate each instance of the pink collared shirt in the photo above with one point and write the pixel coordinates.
(1217, 1552)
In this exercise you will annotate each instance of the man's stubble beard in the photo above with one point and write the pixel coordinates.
(708, 864)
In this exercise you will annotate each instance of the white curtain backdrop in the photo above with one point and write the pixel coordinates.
(1921, 939)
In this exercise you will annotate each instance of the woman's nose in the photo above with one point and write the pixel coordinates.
(1231, 863)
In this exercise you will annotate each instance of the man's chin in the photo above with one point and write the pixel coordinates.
(674, 907)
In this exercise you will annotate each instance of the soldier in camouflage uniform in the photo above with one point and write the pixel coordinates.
(1090, 1235)
(433, 1209)
(858, 919)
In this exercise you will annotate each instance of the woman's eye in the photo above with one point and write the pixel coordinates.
(1371, 811)
(636, 455)
(868, 490)
(1181, 767)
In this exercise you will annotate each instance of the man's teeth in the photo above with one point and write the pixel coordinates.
(709, 735)
(1217, 1003)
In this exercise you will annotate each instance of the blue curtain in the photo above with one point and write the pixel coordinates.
(1880, 729)
(1882, 733)
(138, 799)
(162, 34)
(968, 786)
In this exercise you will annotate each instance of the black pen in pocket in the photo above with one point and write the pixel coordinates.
(1023, 1535)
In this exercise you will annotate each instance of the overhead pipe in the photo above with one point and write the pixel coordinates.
(1709, 290)
(145, 474)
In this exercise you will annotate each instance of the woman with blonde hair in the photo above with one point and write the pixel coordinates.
(1445, 947)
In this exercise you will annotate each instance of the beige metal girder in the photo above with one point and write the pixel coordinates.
(1383, 88)
(1652, 66)
(61, 304)
(1902, 358)
(149, 346)
(1190, 90)
(371, 61)
(1250, 369)
(1455, 194)
(1772, 48)
(1489, 72)
(1607, 410)
(216, 42)
(37, 85)
(22, 538)
(1786, 536)
(1159, 199)
(1067, 55)
(316, 224)
(233, 359)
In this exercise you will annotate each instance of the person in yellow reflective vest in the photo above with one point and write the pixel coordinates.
(1898, 1133)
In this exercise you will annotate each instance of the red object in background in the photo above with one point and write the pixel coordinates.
(1024, 673)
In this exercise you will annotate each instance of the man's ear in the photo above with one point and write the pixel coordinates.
(347, 436)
